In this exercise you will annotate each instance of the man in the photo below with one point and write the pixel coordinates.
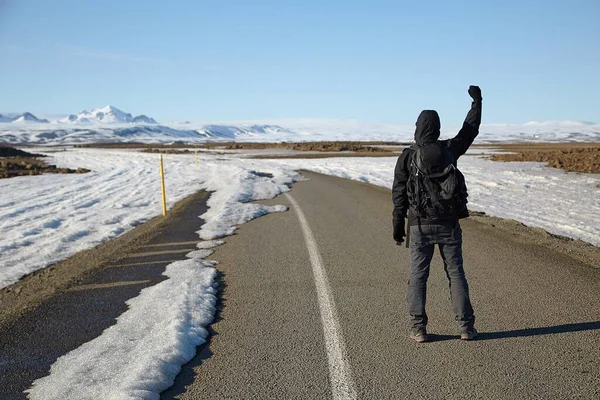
(432, 191)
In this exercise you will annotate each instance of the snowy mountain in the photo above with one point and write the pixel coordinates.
(29, 117)
(233, 132)
(106, 115)
(143, 119)
(23, 118)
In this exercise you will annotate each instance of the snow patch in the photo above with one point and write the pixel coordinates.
(141, 354)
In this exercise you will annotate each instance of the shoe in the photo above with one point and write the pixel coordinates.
(419, 336)
(468, 334)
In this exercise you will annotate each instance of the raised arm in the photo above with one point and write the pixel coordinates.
(470, 129)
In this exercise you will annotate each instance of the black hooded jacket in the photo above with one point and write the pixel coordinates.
(428, 131)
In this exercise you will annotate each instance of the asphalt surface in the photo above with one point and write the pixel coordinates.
(537, 311)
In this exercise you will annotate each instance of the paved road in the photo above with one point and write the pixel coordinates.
(538, 312)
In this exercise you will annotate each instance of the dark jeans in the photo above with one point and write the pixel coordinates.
(423, 239)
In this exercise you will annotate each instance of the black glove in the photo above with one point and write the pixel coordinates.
(399, 233)
(475, 93)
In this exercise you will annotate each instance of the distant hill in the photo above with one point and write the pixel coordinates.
(112, 125)
(143, 119)
(559, 123)
(23, 118)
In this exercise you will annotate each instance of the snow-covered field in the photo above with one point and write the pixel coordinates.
(47, 218)
(562, 203)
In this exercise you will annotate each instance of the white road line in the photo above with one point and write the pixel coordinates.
(342, 386)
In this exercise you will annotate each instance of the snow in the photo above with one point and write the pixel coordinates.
(231, 190)
(142, 354)
(47, 218)
(24, 118)
(354, 130)
(112, 125)
(559, 123)
(561, 203)
(108, 114)
(144, 119)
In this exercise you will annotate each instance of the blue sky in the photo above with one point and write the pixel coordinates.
(378, 61)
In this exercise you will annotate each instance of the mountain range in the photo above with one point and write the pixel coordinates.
(106, 115)
(22, 118)
(111, 125)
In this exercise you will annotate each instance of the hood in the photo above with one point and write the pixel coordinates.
(428, 127)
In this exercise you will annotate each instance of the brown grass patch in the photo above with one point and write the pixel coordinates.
(331, 146)
(371, 149)
(571, 157)
(321, 155)
(14, 162)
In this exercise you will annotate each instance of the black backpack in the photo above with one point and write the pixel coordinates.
(436, 188)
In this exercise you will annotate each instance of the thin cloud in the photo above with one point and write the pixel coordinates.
(19, 49)
(107, 56)
(78, 51)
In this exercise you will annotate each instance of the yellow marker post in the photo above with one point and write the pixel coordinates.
(162, 185)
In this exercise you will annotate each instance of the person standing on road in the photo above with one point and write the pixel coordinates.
(432, 191)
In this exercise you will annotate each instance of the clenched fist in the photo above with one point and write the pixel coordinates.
(475, 93)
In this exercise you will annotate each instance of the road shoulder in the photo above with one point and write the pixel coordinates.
(34, 288)
(68, 311)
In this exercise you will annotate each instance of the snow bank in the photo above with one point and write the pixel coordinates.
(225, 205)
(142, 354)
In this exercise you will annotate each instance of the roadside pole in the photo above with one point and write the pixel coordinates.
(162, 185)
(196, 158)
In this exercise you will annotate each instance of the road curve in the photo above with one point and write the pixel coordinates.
(537, 311)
